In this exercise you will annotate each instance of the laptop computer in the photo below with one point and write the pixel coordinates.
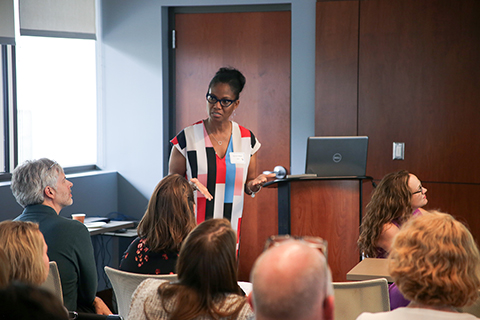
(341, 156)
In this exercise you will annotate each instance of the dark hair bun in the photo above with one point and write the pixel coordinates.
(229, 75)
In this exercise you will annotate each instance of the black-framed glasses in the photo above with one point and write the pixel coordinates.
(225, 103)
(419, 191)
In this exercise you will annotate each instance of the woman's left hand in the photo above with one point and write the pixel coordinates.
(256, 184)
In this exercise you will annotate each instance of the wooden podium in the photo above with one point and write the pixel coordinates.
(329, 208)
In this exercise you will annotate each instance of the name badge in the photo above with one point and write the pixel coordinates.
(237, 157)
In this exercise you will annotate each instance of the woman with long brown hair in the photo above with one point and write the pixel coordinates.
(166, 223)
(207, 285)
(398, 197)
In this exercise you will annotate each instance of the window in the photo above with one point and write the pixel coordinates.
(7, 94)
(55, 92)
(56, 100)
(48, 98)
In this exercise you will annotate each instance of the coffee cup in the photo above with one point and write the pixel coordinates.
(79, 216)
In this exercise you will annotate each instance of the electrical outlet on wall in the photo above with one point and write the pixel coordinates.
(398, 150)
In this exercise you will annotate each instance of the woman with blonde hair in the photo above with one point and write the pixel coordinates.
(165, 225)
(207, 285)
(435, 263)
(25, 251)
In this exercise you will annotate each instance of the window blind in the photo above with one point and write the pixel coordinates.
(7, 22)
(58, 18)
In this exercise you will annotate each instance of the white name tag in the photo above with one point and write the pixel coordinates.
(237, 157)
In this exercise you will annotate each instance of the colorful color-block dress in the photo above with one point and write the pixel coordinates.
(224, 177)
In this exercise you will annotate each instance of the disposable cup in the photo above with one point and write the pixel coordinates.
(79, 216)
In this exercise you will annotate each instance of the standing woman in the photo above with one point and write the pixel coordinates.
(218, 155)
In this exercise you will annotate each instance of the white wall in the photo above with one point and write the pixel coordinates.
(130, 46)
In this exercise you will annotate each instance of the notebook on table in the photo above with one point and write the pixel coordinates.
(339, 156)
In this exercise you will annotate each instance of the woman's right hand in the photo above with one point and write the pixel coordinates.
(197, 185)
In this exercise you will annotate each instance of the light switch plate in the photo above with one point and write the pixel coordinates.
(398, 150)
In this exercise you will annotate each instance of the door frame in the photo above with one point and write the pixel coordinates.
(169, 64)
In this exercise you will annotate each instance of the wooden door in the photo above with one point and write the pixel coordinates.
(258, 44)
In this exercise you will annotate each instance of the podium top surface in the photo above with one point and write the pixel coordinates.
(308, 176)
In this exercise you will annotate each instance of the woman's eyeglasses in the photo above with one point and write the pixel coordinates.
(314, 242)
(225, 103)
(420, 190)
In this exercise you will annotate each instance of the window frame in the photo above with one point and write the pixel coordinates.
(10, 121)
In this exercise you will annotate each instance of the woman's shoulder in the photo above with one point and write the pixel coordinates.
(145, 299)
(388, 232)
(243, 131)
(146, 289)
(149, 285)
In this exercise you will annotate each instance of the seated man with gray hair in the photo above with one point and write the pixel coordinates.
(40, 186)
(291, 281)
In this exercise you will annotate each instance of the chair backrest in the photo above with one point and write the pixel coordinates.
(53, 282)
(124, 284)
(353, 298)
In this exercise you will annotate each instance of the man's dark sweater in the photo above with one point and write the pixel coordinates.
(70, 246)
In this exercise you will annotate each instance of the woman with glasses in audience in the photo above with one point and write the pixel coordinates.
(399, 196)
(169, 218)
(217, 154)
(207, 285)
(434, 261)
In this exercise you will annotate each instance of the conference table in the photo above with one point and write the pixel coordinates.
(108, 227)
(370, 268)
(121, 232)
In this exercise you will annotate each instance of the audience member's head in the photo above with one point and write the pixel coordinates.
(25, 250)
(207, 270)
(170, 215)
(20, 301)
(35, 181)
(394, 199)
(435, 261)
(291, 281)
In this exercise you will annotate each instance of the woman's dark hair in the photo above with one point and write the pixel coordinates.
(232, 77)
(25, 301)
(170, 215)
(207, 270)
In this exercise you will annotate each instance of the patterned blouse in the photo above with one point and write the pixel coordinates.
(224, 177)
(139, 258)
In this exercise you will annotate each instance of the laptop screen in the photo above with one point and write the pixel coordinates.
(342, 156)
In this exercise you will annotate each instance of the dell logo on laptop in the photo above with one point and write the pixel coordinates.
(337, 157)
